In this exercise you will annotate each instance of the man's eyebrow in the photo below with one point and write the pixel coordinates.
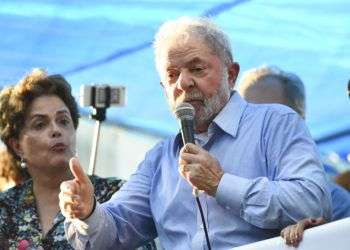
(171, 68)
(195, 60)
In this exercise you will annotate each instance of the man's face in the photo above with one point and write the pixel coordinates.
(192, 73)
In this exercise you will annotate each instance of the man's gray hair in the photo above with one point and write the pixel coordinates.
(293, 87)
(202, 28)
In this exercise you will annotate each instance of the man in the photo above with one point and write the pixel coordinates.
(273, 85)
(249, 162)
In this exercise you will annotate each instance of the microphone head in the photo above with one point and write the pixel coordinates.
(184, 111)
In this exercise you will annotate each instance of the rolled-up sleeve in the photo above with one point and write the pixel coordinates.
(296, 186)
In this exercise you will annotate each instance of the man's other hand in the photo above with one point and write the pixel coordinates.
(293, 234)
(77, 195)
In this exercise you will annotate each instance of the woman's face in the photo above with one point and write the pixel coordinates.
(48, 137)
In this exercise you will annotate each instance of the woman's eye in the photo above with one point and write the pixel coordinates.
(65, 122)
(38, 125)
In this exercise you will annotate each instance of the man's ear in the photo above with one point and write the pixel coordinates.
(233, 70)
(15, 146)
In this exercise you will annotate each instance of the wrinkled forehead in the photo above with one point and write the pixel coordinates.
(183, 46)
(176, 41)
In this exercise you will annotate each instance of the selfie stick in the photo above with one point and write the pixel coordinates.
(99, 114)
(100, 97)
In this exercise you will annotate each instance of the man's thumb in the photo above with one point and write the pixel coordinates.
(77, 170)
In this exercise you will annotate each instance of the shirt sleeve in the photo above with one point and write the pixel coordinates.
(96, 232)
(296, 187)
(123, 222)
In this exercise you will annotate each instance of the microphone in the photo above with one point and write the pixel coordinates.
(184, 112)
(349, 88)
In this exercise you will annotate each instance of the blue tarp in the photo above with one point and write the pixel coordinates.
(111, 42)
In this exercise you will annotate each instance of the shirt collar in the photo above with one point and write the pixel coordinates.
(229, 117)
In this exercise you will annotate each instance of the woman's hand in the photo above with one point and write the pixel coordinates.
(77, 195)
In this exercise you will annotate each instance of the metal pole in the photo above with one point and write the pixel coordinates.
(94, 148)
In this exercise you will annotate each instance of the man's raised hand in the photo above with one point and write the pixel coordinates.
(77, 195)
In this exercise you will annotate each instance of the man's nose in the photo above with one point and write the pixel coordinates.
(185, 82)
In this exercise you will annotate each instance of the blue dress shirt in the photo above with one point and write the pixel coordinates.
(273, 178)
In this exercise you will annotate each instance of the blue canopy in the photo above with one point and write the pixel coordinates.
(110, 42)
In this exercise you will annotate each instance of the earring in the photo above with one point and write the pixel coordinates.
(23, 163)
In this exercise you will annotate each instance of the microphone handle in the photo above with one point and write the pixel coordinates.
(187, 131)
(188, 137)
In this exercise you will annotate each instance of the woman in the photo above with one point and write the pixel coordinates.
(38, 123)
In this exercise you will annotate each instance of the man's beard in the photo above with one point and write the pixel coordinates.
(211, 106)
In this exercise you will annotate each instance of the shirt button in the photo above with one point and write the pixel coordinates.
(201, 226)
